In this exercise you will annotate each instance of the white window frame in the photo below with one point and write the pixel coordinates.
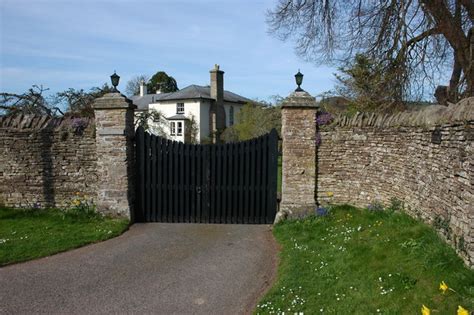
(173, 128)
(179, 108)
(179, 128)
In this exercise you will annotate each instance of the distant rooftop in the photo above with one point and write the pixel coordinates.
(189, 92)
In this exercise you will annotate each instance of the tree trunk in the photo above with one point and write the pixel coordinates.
(470, 73)
(454, 81)
(455, 36)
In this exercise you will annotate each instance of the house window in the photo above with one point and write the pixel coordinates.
(180, 129)
(173, 128)
(180, 108)
(231, 116)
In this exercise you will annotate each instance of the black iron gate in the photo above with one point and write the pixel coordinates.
(223, 183)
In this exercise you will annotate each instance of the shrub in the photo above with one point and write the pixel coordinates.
(375, 206)
(321, 212)
(395, 204)
(82, 206)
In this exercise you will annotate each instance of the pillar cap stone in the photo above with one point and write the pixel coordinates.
(113, 101)
(301, 99)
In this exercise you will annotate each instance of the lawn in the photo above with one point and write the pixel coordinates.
(356, 261)
(34, 233)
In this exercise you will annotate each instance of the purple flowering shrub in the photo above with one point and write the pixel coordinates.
(375, 206)
(322, 118)
(321, 212)
(79, 125)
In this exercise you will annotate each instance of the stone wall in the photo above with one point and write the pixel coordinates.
(45, 161)
(424, 159)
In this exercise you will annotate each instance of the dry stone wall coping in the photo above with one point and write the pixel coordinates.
(38, 122)
(429, 117)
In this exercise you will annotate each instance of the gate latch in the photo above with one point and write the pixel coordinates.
(198, 190)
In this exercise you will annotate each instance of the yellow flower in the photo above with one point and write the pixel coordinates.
(329, 193)
(443, 287)
(462, 310)
(425, 310)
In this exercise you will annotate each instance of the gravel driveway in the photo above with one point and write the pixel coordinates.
(152, 268)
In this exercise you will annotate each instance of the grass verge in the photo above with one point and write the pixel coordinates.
(34, 233)
(355, 261)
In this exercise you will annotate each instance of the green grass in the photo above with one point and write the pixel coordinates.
(29, 234)
(358, 262)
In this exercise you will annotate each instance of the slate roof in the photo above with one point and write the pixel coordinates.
(189, 92)
(143, 101)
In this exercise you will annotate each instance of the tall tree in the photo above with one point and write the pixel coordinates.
(79, 102)
(413, 40)
(133, 85)
(30, 102)
(254, 120)
(161, 81)
(367, 86)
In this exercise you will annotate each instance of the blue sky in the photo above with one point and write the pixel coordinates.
(68, 43)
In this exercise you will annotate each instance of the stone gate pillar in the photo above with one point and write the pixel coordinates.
(114, 120)
(299, 154)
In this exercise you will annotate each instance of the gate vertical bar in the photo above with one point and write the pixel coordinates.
(253, 180)
(258, 180)
(212, 186)
(225, 184)
(140, 187)
(167, 182)
(206, 170)
(199, 183)
(153, 179)
(181, 187)
(147, 176)
(218, 184)
(159, 179)
(247, 182)
(241, 150)
(265, 179)
(235, 182)
(273, 169)
(192, 190)
(175, 187)
(187, 182)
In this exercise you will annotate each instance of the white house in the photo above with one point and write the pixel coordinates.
(211, 107)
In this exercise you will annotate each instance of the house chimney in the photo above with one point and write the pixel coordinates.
(217, 84)
(143, 90)
(217, 112)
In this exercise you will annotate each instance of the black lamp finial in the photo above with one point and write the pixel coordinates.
(115, 78)
(299, 80)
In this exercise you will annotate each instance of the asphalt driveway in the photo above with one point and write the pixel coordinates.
(152, 268)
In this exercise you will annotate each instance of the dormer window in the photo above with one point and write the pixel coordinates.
(180, 108)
